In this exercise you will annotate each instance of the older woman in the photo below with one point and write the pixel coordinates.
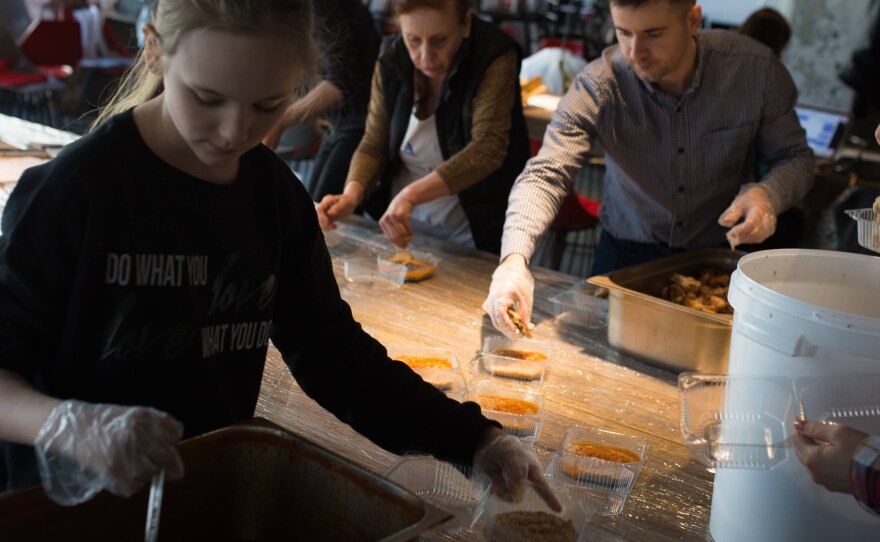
(445, 135)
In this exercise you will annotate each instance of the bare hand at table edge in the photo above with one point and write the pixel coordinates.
(753, 205)
(829, 464)
(511, 465)
(512, 287)
(395, 222)
(336, 207)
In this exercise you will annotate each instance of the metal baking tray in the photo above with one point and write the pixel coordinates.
(675, 337)
(254, 481)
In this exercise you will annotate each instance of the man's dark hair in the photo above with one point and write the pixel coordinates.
(640, 3)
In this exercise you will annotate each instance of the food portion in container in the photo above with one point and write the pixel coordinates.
(601, 457)
(512, 368)
(708, 293)
(533, 526)
(426, 362)
(517, 408)
(518, 359)
(417, 269)
(531, 520)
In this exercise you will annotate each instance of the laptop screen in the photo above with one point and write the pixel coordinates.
(825, 128)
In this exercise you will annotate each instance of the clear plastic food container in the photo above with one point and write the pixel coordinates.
(532, 520)
(454, 488)
(520, 349)
(372, 273)
(420, 265)
(869, 229)
(603, 493)
(583, 305)
(511, 368)
(519, 409)
(852, 400)
(737, 421)
(609, 452)
(449, 381)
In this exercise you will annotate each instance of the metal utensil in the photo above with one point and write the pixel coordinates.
(154, 507)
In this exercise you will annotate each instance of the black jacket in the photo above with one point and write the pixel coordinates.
(484, 203)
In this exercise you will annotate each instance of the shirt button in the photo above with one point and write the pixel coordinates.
(681, 189)
(681, 150)
(679, 223)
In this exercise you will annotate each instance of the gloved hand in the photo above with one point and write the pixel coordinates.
(83, 448)
(512, 287)
(510, 465)
(753, 205)
(335, 207)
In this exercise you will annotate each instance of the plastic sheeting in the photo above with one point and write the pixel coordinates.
(588, 384)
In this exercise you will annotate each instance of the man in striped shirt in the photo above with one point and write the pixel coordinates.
(684, 116)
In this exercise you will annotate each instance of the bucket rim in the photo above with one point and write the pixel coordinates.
(802, 309)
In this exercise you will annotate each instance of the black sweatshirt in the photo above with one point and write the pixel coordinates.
(124, 280)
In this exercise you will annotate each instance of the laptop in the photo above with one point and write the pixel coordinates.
(827, 129)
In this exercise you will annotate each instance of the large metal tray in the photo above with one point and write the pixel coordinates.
(675, 337)
(253, 481)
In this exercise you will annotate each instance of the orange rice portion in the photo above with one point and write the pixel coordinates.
(507, 404)
(426, 362)
(520, 354)
(603, 451)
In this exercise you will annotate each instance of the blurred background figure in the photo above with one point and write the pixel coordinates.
(769, 27)
(351, 45)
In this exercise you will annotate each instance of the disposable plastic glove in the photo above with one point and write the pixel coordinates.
(753, 205)
(512, 287)
(510, 465)
(83, 448)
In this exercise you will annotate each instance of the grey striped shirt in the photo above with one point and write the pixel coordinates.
(672, 165)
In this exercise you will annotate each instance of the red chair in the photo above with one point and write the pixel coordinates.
(54, 46)
(576, 213)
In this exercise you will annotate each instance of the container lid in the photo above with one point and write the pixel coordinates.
(741, 422)
(455, 488)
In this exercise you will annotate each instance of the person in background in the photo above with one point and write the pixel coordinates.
(144, 270)
(684, 116)
(445, 134)
(769, 27)
(351, 46)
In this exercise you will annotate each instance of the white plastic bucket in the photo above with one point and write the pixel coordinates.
(798, 313)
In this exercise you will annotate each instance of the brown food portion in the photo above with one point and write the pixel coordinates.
(416, 269)
(507, 404)
(517, 320)
(533, 527)
(524, 355)
(425, 362)
(707, 294)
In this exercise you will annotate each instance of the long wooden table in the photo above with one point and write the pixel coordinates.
(588, 384)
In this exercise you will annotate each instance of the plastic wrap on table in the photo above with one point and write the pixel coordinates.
(588, 384)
